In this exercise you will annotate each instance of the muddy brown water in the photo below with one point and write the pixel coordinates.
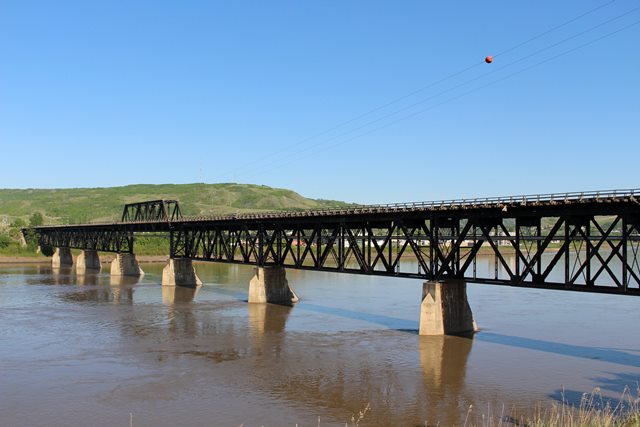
(79, 351)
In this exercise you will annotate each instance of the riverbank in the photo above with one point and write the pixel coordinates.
(22, 257)
(104, 259)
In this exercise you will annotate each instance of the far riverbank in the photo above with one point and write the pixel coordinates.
(36, 258)
(104, 259)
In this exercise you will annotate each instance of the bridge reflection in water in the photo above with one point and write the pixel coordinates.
(97, 288)
(332, 375)
(343, 376)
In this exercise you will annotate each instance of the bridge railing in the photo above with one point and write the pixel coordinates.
(523, 199)
(466, 203)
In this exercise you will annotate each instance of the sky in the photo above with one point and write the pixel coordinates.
(362, 101)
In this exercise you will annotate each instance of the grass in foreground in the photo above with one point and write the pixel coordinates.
(582, 417)
(594, 410)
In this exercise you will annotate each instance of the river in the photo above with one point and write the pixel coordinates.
(87, 350)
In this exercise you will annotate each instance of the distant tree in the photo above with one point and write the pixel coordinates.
(18, 223)
(36, 219)
(31, 238)
(4, 241)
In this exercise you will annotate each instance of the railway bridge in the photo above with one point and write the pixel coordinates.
(584, 242)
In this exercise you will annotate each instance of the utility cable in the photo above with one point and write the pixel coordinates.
(320, 144)
(557, 27)
(509, 76)
(465, 83)
(423, 88)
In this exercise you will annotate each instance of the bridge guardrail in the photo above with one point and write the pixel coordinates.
(583, 196)
(465, 203)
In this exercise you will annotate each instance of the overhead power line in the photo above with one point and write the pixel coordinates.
(432, 107)
(421, 89)
(458, 86)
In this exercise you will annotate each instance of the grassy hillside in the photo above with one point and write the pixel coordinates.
(63, 206)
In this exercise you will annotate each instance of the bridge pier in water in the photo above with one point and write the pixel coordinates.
(88, 260)
(126, 264)
(62, 258)
(445, 309)
(270, 285)
(180, 272)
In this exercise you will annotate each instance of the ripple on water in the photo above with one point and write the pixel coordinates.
(88, 348)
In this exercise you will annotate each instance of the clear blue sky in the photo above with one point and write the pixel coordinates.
(104, 93)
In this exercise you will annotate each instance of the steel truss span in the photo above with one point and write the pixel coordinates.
(104, 239)
(582, 242)
(154, 210)
(588, 247)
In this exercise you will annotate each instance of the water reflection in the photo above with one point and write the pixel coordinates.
(267, 326)
(444, 365)
(181, 322)
(96, 295)
(178, 294)
(122, 288)
(122, 294)
(267, 319)
(88, 279)
(124, 280)
(61, 275)
(120, 291)
(43, 269)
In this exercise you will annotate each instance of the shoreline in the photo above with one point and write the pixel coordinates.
(108, 257)
(5, 259)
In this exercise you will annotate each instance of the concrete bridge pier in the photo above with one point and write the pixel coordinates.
(61, 258)
(445, 309)
(125, 264)
(88, 261)
(180, 272)
(270, 285)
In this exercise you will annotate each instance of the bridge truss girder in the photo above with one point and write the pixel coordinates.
(112, 239)
(153, 210)
(573, 252)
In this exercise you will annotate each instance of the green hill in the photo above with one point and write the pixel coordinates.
(77, 205)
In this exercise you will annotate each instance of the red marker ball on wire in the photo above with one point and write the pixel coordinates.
(488, 59)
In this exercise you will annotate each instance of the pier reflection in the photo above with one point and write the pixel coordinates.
(267, 319)
(178, 294)
(343, 373)
(120, 292)
(122, 289)
(337, 374)
(443, 360)
(124, 280)
(181, 319)
(61, 275)
(88, 279)
(267, 324)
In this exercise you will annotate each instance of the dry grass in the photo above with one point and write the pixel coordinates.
(594, 411)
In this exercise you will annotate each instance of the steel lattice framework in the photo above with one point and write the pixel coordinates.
(577, 241)
(153, 210)
(98, 238)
